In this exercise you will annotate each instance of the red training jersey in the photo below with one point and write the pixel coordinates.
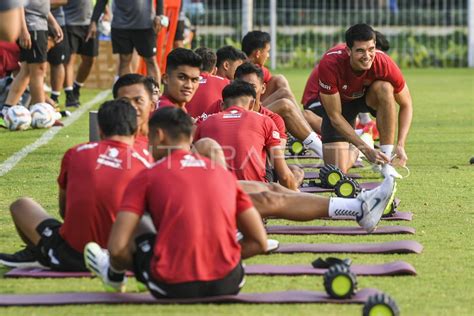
(196, 234)
(336, 74)
(141, 146)
(267, 75)
(245, 137)
(209, 91)
(277, 119)
(164, 101)
(94, 176)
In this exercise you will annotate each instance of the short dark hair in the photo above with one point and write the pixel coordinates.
(229, 53)
(248, 68)
(209, 58)
(174, 121)
(381, 42)
(359, 32)
(255, 40)
(117, 117)
(130, 80)
(182, 56)
(237, 89)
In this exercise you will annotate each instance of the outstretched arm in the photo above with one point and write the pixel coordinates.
(121, 256)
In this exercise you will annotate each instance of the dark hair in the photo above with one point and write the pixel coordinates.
(248, 68)
(237, 89)
(117, 117)
(359, 32)
(174, 121)
(132, 79)
(255, 40)
(229, 53)
(209, 58)
(153, 82)
(182, 56)
(381, 42)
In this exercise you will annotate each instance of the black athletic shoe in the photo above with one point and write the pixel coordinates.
(25, 258)
(71, 100)
(76, 89)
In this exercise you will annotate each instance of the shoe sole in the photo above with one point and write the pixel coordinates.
(13, 265)
(389, 204)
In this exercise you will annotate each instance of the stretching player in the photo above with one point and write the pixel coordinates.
(354, 79)
(91, 182)
(210, 86)
(246, 136)
(228, 59)
(192, 250)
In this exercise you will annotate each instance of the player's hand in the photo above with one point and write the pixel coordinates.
(58, 35)
(157, 25)
(401, 157)
(92, 32)
(375, 156)
(25, 39)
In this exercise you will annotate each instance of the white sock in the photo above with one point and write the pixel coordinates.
(364, 118)
(57, 93)
(314, 143)
(344, 207)
(78, 83)
(68, 89)
(387, 150)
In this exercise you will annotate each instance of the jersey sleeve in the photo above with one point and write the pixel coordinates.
(267, 75)
(392, 74)
(197, 132)
(272, 135)
(243, 201)
(134, 199)
(63, 172)
(327, 81)
(280, 124)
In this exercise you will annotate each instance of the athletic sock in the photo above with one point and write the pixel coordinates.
(77, 85)
(115, 275)
(68, 89)
(55, 96)
(364, 118)
(387, 150)
(314, 143)
(344, 207)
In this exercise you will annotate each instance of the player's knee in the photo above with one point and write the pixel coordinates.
(211, 149)
(383, 88)
(20, 204)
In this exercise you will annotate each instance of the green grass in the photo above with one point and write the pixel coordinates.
(439, 192)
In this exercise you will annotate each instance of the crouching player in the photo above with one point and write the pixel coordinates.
(92, 179)
(195, 252)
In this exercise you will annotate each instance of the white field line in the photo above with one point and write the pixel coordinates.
(14, 159)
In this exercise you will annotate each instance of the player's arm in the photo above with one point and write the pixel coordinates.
(99, 9)
(332, 105)
(62, 202)
(254, 235)
(405, 115)
(120, 239)
(285, 176)
(55, 28)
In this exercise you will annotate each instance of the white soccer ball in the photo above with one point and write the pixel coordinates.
(43, 115)
(17, 118)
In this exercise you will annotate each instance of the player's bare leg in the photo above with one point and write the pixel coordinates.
(18, 86)
(211, 149)
(313, 120)
(37, 72)
(152, 68)
(341, 154)
(125, 64)
(84, 68)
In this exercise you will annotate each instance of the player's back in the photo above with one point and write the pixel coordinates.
(95, 176)
(208, 93)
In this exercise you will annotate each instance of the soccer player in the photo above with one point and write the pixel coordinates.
(298, 127)
(194, 252)
(78, 17)
(91, 182)
(134, 26)
(246, 136)
(33, 52)
(210, 86)
(354, 79)
(228, 59)
(181, 79)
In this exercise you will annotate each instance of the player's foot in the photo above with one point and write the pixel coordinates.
(375, 202)
(97, 261)
(71, 100)
(76, 90)
(272, 245)
(25, 258)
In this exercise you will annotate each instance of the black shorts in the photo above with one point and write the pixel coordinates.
(179, 35)
(59, 54)
(350, 110)
(316, 107)
(55, 251)
(39, 48)
(76, 39)
(229, 285)
(124, 41)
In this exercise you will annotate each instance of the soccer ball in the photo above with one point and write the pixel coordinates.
(17, 118)
(43, 115)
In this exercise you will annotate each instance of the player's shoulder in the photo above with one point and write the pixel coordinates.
(84, 147)
(219, 79)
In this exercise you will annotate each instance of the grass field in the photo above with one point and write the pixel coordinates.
(439, 191)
